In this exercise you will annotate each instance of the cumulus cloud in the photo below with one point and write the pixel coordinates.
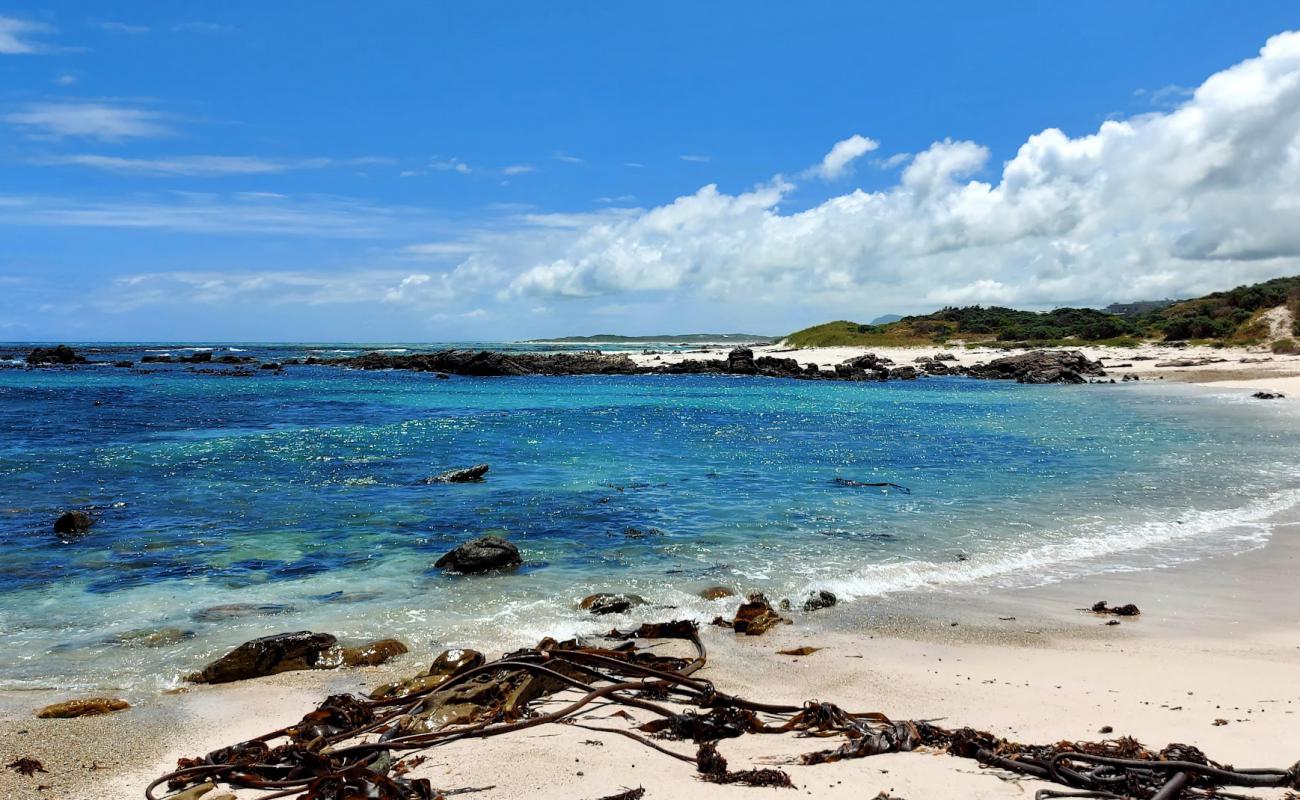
(845, 152)
(1168, 203)
(88, 120)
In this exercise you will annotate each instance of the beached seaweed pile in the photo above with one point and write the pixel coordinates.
(351, 747)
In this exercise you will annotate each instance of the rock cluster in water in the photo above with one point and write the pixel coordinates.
(287, 652)
(1041, 366)
(61, 355)
(484, 554)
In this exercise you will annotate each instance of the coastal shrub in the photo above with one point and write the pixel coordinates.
(1286, 347)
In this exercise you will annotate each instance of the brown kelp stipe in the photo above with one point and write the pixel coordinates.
(352, 747)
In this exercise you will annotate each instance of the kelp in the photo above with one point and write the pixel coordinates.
(353, 747)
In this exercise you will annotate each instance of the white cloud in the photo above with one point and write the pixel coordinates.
(696, 159)
(239, 213)
(450, 165)
(568, 159)
(66, 79)
(203, 27)
(198, 165)
(519, 169)
(16, 36)
(1161, 204)
(88, 120)
(121, 28)
(836, 163)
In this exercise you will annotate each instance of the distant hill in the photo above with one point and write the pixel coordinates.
(1236, 316)
(885, 319)
(682, 338)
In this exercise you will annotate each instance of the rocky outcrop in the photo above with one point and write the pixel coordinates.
(1268, 395)
(269, 655)
(466, 475)
(605, 603)
(73, 524)
(60, 355)
(88, 707)
(1040, 366)
(716, 592)
(491, 363)
(484, 554)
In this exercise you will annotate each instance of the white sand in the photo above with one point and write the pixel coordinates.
(1242, 368)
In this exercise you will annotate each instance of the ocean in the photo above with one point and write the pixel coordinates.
(299, 495)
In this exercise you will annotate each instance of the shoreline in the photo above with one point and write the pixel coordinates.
(1023, 663)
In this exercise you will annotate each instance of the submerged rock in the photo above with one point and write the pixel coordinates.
(88, 707)
(72, 524)
(1268, 395)
(269, 655)
(466, 475)
(755, 616)
(819, 599)
(239, 610)
(484, 554)
(372, 654)
(604, 603)
(716, 592)
(150, 637)
(60, 355)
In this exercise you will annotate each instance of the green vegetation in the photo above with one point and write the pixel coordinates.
(687, 338)
(1223, 315)
(1234, 317)
(1286, 347)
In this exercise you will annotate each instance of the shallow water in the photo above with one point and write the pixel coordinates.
(302, 491)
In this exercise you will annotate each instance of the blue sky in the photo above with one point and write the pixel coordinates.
(419, 172)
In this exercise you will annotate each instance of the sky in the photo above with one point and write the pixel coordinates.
(411, 172)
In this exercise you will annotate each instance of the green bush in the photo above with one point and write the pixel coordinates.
(1286, 347)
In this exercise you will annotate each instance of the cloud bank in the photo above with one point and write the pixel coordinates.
(1205, 194)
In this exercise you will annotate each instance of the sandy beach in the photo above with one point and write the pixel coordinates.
(1254, 368)
(1210, 662)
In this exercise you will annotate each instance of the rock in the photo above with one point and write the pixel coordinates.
(271, 365)
(268, 655)
(150, 637)
(1129, 376)
(62, 355)
(819, 599)
(904, 373)
(239, 610)
(755, 616)
(89, 707)
(202, 357)
(740, 361)
(372, 654)
(1268, 395)
(446, 666)
(1040, 366)
(716, 592)
(466, 475)
(484, 554)
(124, 364)
(945, 357)
(72, 524)
(156, 360)
(604, 603)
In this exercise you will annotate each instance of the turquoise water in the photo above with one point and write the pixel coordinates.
(303, 490)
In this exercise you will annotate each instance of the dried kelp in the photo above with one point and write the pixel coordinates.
(351, 747)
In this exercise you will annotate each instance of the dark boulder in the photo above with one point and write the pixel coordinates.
(484, 554)
(61, 354)
(372, 654)
(270, 365)
(716, 592)
(819, 599)
(124, 364)
(156, 360)
(466, 475)
(740, 361)
(904, 373)
(268, 655)
(201, 357)
(604, 603)
(1041, 366)
(1268, 395)
(73, 524)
